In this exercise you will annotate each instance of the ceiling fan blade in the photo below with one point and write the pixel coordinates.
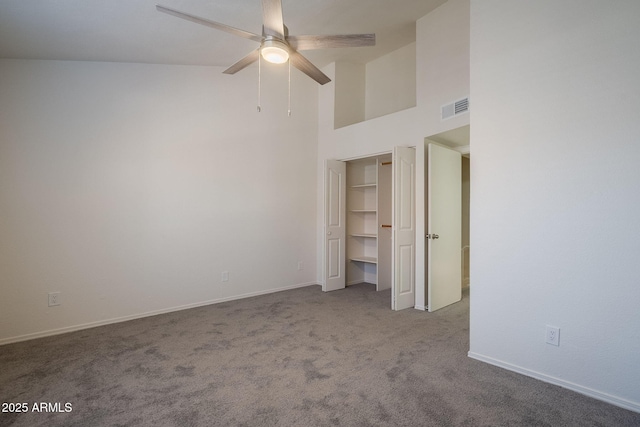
(212, 24)
(243, 63)
(304, 65)
(272, 20)
(324, 42)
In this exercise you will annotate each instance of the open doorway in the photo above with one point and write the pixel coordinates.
(457, 140)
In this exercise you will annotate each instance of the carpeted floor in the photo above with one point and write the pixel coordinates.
(294, 358)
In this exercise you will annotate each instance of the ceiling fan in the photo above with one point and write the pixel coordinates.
(276, 45)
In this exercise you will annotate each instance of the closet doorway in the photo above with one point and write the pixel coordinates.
(368, 234)
(370, 224)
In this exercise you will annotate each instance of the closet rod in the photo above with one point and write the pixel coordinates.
(385, 226)
(385, 163)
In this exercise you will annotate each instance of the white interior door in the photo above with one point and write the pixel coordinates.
(444, 227)
(404, 228)
(335, 184)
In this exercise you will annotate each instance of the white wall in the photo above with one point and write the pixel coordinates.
(555, 205)
(131, 187)
(407, 127)
(383, 86)
(442, 61)
(442, 76)
(391, 82)
(349, 92)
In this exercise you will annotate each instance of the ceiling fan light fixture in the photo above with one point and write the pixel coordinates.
(274, 51)
(276, 45)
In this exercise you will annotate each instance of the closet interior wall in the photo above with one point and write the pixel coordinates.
(369, 221)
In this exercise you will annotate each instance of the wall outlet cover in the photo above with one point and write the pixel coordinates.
(553, 335)
(54, 299)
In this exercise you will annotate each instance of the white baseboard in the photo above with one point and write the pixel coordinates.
(605, 397)
(420, 307)
(89, 325)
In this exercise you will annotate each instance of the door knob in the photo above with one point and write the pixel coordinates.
(432, 236)
(328, 233)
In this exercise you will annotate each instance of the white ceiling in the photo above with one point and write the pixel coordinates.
(133, 31)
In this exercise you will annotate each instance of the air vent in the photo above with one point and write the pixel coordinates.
(460, 106)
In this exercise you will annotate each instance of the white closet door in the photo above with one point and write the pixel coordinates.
(404, 228)
(334, 224)
(444, 235)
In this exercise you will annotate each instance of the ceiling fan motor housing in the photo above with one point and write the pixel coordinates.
(274, 50)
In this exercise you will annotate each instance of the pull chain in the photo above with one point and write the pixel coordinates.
(260, 86)
(259, 78)
(289, 100)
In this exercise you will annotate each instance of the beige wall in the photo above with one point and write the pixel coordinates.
(555, 205)
(383, 86)
(350, 92)
(391, 82)
(129, 188)
(466, 193)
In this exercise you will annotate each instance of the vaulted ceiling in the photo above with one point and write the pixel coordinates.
(133, 31)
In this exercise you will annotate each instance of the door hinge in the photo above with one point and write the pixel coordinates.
(432, 236)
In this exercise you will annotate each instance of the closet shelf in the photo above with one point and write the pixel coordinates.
(367, 235)
(364, 186)
(366, 259)
(363, 210)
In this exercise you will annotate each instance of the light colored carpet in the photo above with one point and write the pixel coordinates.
(294, 358)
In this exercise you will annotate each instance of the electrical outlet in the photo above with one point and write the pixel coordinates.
(300, 265)
(54, 299)
(553, 335)
(225, 276)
